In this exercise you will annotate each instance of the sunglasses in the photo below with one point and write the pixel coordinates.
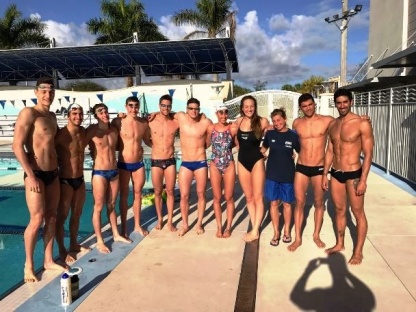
(166, 105)
(194, 108)
(133, 106)
(223, 112)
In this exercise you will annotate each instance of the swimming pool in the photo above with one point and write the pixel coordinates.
(14, 219)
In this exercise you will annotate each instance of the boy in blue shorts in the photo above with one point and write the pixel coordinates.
(280, 172)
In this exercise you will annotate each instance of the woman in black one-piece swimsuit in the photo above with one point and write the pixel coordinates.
(251, 172)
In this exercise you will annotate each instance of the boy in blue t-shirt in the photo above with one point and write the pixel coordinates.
(280, 172)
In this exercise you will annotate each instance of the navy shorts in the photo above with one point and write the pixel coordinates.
(279, 191)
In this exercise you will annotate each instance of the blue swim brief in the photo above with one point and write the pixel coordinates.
(194, 165)
(107, 174)
(130, 166)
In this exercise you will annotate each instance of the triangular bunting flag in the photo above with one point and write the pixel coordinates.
(24, 102)
(60, 100)
(134, 93)
(2, 103)
(66, 98)
(35, 101)
(171, 92)
(100, 97)
(12, 101)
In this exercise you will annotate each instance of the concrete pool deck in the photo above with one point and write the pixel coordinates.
(201, 273)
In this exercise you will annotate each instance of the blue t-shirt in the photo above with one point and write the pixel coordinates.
(280, 163)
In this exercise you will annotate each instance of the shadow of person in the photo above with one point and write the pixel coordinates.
(347, 292)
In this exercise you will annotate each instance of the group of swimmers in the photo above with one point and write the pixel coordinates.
(53, 158)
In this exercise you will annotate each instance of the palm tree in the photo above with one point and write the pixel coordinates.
(120, 20)
(212, 16)
(17, 32)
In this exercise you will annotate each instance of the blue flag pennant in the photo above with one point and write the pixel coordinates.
(35, 101)
(171, 92)
(100, 97)
(2, 102)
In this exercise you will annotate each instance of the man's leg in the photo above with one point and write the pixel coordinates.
(65, 198)
(35, 202)
(216, 179)
(357, 208)
(339, 197)
(157, 181)
(113, 188)
(201, 176)
(300, 185)
(77, 205)
(229, 182)
(318, 200)
(99, 190)
(170, 180)
(138, 178)
(185, 180)
(124, 180)
(51, 206)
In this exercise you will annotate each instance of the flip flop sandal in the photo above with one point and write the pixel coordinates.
(286, 239)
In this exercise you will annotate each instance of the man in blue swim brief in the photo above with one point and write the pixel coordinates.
(102, 139)
(132, 130)
(194, 140)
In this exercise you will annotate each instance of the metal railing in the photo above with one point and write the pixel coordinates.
(393, 117)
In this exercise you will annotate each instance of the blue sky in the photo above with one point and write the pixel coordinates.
(278, 41)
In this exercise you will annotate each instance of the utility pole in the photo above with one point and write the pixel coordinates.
(344, 17)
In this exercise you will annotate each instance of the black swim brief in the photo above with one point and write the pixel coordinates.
(75, 183)
(344, 176)
(163, 163)
(309, 171)
(47, 177)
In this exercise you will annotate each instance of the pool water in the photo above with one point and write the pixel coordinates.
(15, 217)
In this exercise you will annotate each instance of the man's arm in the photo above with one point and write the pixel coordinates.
(329, 156)
(21, 130)
(146, 136)
(208, 137)
(367, 144)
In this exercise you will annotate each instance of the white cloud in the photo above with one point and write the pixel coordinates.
(290, 50)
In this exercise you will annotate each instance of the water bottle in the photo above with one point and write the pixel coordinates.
(74, 286)
(66, 294)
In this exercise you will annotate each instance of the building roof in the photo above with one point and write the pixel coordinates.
(160, 58)
(378, 83)
(405, 58)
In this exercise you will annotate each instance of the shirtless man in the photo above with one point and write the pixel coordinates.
(194, 141)
(70, 146)
(312, 129)
(102, 141)
(34, 148)
(132, 131)
(349, 136)
(163, 128)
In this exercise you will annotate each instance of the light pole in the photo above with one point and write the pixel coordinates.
(344, 17)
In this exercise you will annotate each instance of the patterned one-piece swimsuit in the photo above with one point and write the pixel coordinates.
(222, 144)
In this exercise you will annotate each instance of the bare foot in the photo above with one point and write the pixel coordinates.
(219, 233)
(334, 249)
(159, 225)
(69, 258)
(171, 227)
(79, 248)
(141, 231)
(249, 237)
(122, 239)
(356, 259)
(183, 231)
(55, 266)
(227, 233)
(200, 230)
(292, 247)
(103, 248)
(318, 242)
(29, 276)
